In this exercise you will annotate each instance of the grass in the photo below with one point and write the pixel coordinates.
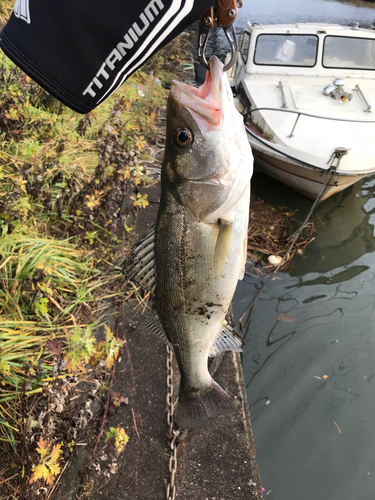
(42, 283)
(62, 178)
(6, 7)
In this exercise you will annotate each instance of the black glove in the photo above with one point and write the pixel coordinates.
(83, 50)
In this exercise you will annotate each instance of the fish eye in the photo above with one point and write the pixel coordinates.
(183, 137)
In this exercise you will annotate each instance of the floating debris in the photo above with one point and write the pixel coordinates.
(270, 233)
(286, 318)
(337, 427)
(274, 259)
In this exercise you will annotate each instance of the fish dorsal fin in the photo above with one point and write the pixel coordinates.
(227, 340)
(152, 324)
(139, 265)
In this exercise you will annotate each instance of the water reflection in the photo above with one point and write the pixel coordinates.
(345, 233)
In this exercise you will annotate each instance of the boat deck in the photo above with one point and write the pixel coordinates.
(321, 120)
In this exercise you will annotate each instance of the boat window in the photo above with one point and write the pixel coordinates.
(349, 52)
(245, 42)
(286, 50)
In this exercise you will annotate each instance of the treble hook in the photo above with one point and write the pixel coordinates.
(224, 18)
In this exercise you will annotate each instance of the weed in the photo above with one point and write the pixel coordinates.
(118, 438)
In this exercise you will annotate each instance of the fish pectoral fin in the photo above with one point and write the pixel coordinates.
(152, 324)
(223, 244)
(227, 340)
(197, 406)
(139, 265)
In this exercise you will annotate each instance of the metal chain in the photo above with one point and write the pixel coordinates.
(172, 434)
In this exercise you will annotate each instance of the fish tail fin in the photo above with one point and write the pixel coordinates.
(195, 407)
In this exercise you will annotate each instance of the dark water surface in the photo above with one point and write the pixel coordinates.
(311, 379)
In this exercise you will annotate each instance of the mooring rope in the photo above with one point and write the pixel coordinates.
(337, 155)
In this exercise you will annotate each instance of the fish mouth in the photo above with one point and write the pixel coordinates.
(205, 103)
(218, 180)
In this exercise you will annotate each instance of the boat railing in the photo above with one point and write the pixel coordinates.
(280, 86)
(299, 113)
(362, 96)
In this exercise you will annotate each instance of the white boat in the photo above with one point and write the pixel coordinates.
(307, 92)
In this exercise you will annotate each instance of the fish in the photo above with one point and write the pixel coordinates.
(193, 256)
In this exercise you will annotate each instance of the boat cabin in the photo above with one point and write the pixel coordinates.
(307, 49)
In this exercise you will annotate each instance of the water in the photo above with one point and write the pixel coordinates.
(309, 358)
(291, 11)
(317, 368)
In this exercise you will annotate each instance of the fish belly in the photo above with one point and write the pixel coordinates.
(197, 269)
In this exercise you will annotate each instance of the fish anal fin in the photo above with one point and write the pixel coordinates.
(195, 407)
(227, 340)
(139, 265)
(152, 324)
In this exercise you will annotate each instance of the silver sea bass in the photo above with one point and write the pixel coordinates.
(192, 258)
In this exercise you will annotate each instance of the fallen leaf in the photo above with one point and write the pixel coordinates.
(39, 472)
(118, 400)
(54, 348)
(118, 437)
(48, 467)
(55, 453)
(43, 447)
(286, 318)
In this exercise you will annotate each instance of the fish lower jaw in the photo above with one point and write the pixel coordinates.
(214, 181)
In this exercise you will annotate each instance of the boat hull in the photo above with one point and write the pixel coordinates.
(303, 178)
